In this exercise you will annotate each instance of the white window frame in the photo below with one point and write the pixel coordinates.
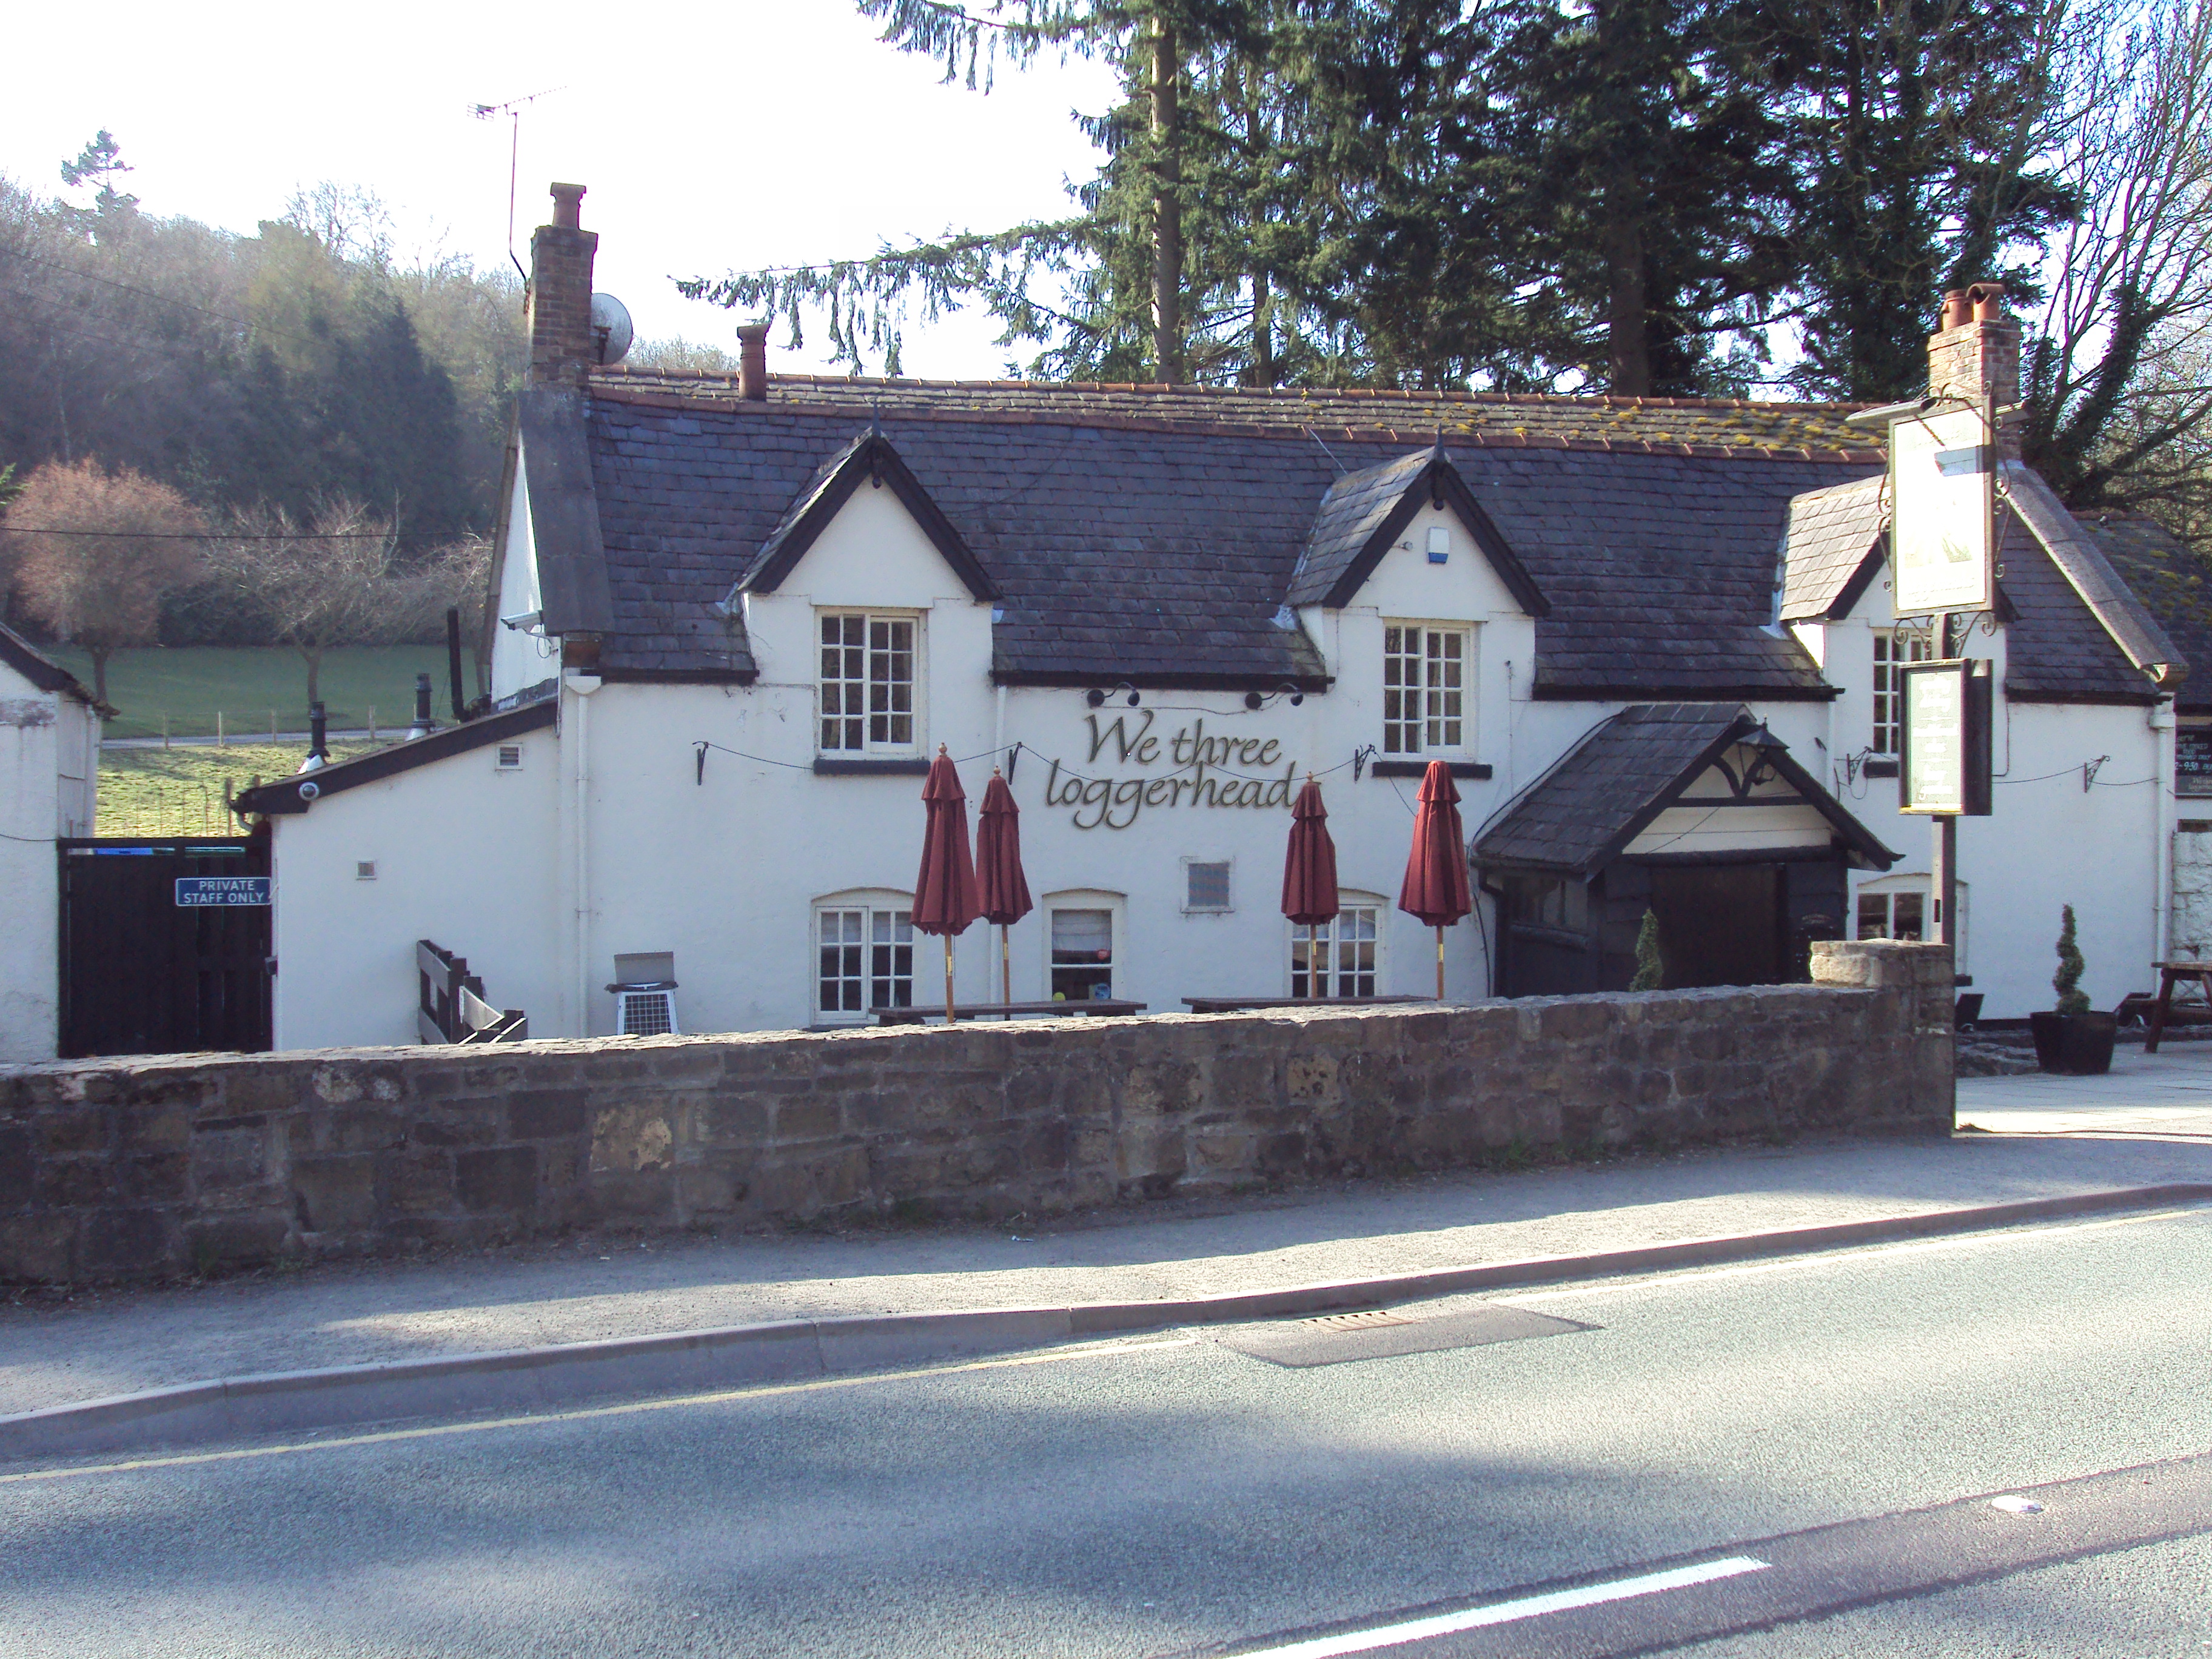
(1432, 718)
(871, 743)
(1086, 898)
(1887, 729)
(1887, 887)
(1330, 938)
(870, 905)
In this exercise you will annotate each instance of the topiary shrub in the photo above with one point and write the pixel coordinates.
(2067, 981)
(1651, 968)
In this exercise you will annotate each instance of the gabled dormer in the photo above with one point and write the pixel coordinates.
(1421, 610)
(1362, 527)
(867, 593)
(864, 507)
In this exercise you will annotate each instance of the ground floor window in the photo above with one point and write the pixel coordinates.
(1897, 907)
(1339, 958)
(865, 958)
(1082, 955)
(1892, 915)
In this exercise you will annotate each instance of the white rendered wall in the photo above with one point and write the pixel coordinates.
(463, 857)
(2047, 843)
(621, 845)
(29, 813)
(520, 658)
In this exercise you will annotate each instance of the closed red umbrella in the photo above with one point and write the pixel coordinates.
(1310, 874)
(1004, 892)
(1435, 888)
(944, 898)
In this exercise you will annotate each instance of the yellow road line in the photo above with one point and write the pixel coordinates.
(585, 1413)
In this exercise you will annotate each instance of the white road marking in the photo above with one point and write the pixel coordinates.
(1694, 1277)
(1507, 1612)
(585, 1413)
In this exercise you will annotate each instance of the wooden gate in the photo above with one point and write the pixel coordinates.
(164, 945)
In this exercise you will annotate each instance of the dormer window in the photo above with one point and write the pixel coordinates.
(1425, 680)
(869, 665)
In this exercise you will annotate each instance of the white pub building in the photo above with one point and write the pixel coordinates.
(736, 616)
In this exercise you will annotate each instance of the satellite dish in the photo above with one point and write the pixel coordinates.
(611, 327)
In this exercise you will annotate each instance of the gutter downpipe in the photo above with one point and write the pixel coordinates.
(2164, 738)
(582, 685)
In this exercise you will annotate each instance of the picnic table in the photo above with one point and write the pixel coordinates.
(1245, 1005)
(1088, 1007)
(2171, 974)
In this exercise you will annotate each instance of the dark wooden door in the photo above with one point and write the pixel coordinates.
(1720, 924)
(141, 974)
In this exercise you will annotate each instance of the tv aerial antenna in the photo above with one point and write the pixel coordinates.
(512, 109)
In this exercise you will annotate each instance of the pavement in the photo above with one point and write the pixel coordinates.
(2033, 1139)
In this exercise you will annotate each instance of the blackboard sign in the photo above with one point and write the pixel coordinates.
(2192, 760)
(1945, 765)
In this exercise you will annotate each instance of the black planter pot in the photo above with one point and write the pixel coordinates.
(2080, 1045)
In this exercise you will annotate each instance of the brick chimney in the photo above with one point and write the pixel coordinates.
(1975, 354)
(752, 362)
(561, 346)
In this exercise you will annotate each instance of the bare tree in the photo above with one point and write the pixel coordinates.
(2120, 398)
(457, 577)
(327, 583)
(95, 552)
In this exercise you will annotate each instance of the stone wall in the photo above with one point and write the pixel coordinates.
(131, 1168)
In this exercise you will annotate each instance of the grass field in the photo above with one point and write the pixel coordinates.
(180, 792)
(247, 686)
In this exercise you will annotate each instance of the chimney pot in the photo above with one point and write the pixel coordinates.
(569, 207)
(1976, 355)
(752, 362)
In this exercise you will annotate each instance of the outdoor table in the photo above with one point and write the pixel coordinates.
(1090, 1007)
(1242, 1005)
(2169, 975)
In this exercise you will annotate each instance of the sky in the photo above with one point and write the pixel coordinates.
(731, 134)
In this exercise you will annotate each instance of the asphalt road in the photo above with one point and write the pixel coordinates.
(1686, 1456)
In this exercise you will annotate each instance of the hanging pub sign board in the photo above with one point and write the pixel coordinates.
(1944, 768)
(1943, 501)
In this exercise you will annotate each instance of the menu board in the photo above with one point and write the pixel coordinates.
(1945, 759)
(2192, 760)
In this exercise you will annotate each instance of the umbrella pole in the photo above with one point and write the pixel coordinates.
(1440, 965)
(948, 979)
(1005, 968)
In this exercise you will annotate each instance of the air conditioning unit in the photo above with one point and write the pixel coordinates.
(645, 1013)
(645, 993)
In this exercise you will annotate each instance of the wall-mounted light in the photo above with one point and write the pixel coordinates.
(1096, 698)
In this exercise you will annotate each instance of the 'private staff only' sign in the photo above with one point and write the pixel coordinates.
(194, 891)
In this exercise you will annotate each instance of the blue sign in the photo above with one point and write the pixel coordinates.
(196, 891)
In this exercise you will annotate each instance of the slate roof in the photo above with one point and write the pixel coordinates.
(2080, 562)
(1349, 515)
(1362, 514)
(1673, 426)
(2174, 585)
(1832, 532)
(1123, 551)
(1598, 799)
(1151, 534)
(42, 671)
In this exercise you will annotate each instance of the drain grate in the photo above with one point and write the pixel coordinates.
(1339, 1339)
(1354, 1322)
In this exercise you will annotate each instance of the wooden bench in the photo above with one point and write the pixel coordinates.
(2171, 974)
(1087, 1008)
